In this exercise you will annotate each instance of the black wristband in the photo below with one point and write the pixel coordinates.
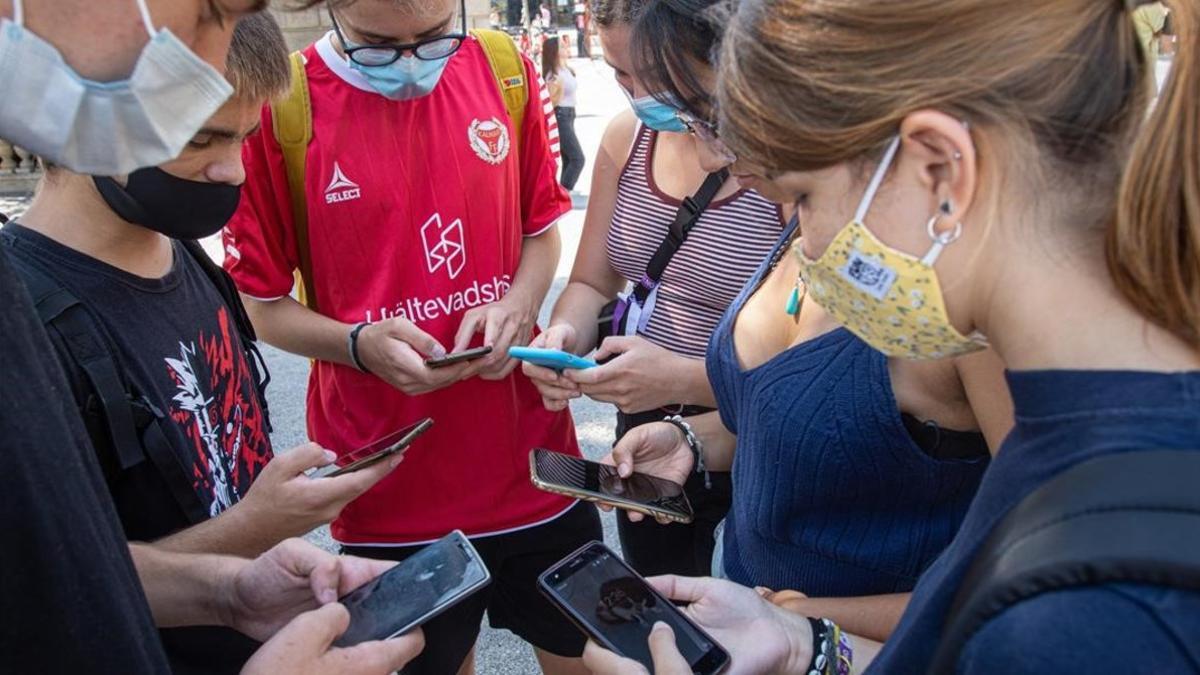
(353, 346)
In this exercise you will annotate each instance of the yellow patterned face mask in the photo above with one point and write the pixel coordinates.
(888, 298)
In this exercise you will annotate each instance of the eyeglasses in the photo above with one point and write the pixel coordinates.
(706, 133)
(429, 49)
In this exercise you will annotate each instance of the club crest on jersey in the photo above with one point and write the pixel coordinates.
(489, 140)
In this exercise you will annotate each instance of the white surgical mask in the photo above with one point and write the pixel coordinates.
(104, 128)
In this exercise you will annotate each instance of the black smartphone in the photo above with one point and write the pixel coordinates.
(575, 477)
(414, 591)
(614, 606)
(374, 452)
(458, 357)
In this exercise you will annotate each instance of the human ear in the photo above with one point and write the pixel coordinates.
(938, 148)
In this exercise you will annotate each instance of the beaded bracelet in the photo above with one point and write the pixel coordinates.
(822, 631)
(696, 446)
(832, 653)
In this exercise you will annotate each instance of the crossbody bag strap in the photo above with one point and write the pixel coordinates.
(685, 219)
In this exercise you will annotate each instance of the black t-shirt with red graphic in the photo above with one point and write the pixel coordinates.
(175, 342)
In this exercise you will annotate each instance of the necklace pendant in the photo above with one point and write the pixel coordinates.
(793, 303)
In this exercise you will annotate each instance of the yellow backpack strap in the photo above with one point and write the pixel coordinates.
(292, 118)
(509, 69)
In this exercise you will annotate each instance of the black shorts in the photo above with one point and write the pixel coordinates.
(512, 601)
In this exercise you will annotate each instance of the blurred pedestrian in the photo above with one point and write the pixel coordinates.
(562, 83)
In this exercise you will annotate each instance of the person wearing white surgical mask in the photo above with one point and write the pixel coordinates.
(66, 561)
(109, 106)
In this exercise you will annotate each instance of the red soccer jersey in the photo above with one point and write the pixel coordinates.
(416, 209)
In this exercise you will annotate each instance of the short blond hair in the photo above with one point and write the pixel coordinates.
(257, 66)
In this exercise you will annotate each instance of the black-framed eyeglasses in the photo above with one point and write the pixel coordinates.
(429, 49)
(706, 132)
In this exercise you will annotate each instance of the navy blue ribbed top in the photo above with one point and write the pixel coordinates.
(1064, 418)
(831, 496)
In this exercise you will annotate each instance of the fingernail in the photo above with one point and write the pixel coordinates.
(330, 457)
(396, 461)
(659, 626)
(438, 352)
(327, 596)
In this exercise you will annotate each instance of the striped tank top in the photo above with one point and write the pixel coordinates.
(723, 250)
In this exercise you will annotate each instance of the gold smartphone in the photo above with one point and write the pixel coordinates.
(595, 482)
(373, 453)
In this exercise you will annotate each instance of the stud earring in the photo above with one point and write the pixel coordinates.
(946, 208)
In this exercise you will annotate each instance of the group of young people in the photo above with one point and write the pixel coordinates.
(890, 270)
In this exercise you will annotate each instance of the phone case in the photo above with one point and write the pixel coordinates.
(575, 493)
(551, 358)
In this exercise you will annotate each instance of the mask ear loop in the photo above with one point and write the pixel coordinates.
(876, 180)
(18, 13)
(146, 18)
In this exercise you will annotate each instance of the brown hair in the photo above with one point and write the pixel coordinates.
(550, 58)
(806, 85)
(257, 65)
(608, 13)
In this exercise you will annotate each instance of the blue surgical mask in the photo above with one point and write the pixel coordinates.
(104, 128)
(407, 78)
(656, 114)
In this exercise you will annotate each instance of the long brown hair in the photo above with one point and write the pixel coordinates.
(550, 58)
(806, 85)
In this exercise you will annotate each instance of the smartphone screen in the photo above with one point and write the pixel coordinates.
(601, 481)
(414, 591)
(374, 452)
(617, 608)
(458, 357)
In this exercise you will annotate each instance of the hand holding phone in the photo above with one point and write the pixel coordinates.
(375, 452)
(759, 637)
(555, 359)
(593, 481)
(617, 609)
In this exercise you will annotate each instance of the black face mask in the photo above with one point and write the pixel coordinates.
(178, 208)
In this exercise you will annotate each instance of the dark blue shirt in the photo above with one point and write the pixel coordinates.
(831, 495)
(1064, 418)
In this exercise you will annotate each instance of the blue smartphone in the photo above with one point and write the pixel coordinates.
(554, 359)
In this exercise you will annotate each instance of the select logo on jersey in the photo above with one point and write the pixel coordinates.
(445, 246)
(341, 189)
(489, 139)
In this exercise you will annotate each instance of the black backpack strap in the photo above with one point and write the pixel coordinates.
(132, 424)
(685, 219)
(60, 310)
(227, 289)
(1128, 517)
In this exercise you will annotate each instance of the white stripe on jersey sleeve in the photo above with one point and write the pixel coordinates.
(551, 119)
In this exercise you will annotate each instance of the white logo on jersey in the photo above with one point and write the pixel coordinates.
(444, 246)
(489, 140)
(341, 189)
